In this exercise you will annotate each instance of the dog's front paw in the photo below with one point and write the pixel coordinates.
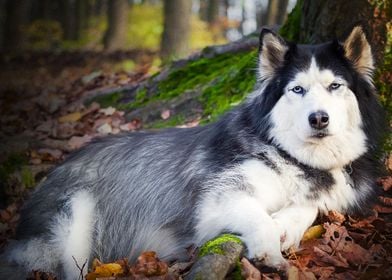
(290, 237)
(266, 249)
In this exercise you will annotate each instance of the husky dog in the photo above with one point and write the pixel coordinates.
(302, 143)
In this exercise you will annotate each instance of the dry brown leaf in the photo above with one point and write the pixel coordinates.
(342, 243)
(50, 154)
(148, 264)
(383, 210)
(78, 141)
(293, 273)
(386, 183)
(386, 200)
(323, 272)
(248, 271)
(335, 217)
(325, 258)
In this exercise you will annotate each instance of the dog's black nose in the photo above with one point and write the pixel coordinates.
(319, 120)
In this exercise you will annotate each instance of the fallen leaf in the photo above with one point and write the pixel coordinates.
(313, 233)
(335, 217)
(90, 77)
(383, 210)
(323, 272)
(105, 129)
(293, 273)
(343, 244)
(72, 117)
(386, 183)
(386, 200)
(336, 260)
(165, 114)
(101, 270)
(248, 271)
(50, 154)
(148, 264)
(78, 141)
(108, 111)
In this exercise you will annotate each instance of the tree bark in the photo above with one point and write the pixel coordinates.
(272, 12)
(69, 20)
(324, 20)
(176, 28)
(213, 11)
(16, 16)
(282, 11)
(114, 38)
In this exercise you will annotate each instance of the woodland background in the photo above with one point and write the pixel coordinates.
(73, 70)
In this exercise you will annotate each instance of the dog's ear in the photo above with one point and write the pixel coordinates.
(272, 51)
(358, 51)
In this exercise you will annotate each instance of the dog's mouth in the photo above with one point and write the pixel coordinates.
(320, 134)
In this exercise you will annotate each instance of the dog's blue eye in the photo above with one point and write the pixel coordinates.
(298, 90)
(334, 86)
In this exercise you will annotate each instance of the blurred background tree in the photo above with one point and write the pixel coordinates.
(174, 28)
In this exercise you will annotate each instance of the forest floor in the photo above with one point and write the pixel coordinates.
(43, 119)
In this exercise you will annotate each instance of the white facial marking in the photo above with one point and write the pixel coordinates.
(345, 140)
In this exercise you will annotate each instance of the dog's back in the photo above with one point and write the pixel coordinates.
(95, 202)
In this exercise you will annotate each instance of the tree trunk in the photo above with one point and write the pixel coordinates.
(203, 8)
(213, 11)
(69, 21)
(272, 12)
(114, 38)
(15, 17)
(176, 28)
(322, 20)
(282, 11)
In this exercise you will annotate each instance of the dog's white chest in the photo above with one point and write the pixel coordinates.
(277, 187)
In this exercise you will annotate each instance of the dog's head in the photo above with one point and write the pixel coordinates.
(320, 101)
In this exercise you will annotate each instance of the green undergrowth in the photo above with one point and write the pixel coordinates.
(171, 122)
(13, 163)
(17, 163)
(292, 27)
(214, 246)
(223, 81)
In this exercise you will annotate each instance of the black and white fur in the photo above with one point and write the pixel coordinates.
(264, 171)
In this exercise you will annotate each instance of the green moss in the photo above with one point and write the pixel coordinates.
(107, 100)
(291, 28)
(172, 121)
(28, 179)
(224, 81)
(237, 272)
(13, 163)
(214, 245)
(140, 100)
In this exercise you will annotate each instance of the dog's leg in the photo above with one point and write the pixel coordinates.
(242, 214)
(293, 222)
(74, 235)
